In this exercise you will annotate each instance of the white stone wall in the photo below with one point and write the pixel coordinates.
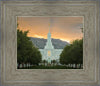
(55, 54)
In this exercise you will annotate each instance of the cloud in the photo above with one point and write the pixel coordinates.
(67, 28)
(38, 36)
(65, 40)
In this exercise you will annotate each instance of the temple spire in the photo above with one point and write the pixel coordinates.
(49, 42)
(49, 30)
(50, 25)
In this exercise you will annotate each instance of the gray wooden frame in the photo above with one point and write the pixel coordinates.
(88, 75)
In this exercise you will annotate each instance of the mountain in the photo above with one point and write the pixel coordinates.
(40, 43)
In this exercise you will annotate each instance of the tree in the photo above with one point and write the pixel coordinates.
(44, 61)
(64, 56)
(26, 51)
(53, 61)
(73, 53)
(22, 49)
(35, 59)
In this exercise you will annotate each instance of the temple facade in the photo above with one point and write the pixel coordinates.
(49, 53)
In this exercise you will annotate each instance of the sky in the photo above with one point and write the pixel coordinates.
(64, 28)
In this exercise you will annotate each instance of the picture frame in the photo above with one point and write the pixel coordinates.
(89, 75)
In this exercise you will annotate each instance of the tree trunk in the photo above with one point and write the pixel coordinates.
(72, 66)
(76, 66)
(18, 65)
(22, 65)
(80, 66)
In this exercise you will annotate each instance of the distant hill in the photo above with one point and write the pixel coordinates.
(40, 43)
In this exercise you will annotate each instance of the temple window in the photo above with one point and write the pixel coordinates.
(49, 53)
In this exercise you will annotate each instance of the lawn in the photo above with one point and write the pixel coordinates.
(48, 67)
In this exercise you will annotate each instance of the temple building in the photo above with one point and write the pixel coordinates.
(49, 53)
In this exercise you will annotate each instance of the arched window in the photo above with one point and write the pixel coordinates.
(49, 53)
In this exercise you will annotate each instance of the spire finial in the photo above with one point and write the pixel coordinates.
(51, 20)
(49, 29)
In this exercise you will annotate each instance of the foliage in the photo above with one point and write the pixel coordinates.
(48, 67)
(73, 53)
(26, 51)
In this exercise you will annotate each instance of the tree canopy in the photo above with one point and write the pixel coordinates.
(73, 53)
(26, 51)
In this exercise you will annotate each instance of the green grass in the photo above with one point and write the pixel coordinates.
(48, 67)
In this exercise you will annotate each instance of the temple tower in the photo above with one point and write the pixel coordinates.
(49, 53)
(49, 43)
(49, 48)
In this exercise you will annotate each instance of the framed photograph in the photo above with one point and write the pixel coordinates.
(46, 43)
(61, 48)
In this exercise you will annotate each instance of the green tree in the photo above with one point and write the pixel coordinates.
(44, 61)
(26, 51)
(35, 58)
(53, 61)
(73, 53)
